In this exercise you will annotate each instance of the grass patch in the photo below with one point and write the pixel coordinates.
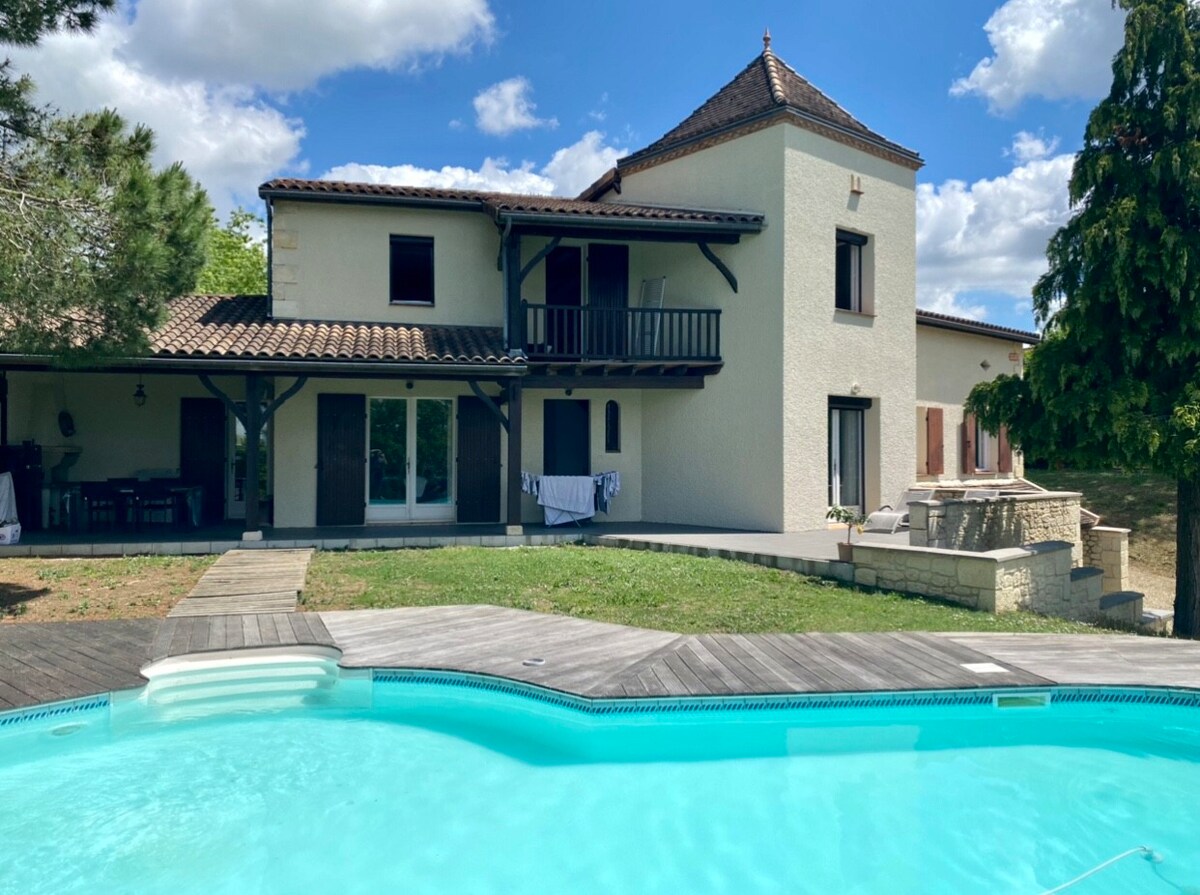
(1142, 501)
(666, 591)
(49, 590)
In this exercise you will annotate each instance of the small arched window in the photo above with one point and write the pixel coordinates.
(612, 428)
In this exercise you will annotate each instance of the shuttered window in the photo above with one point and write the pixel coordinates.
(849, 280)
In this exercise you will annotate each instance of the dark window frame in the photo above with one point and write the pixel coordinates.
(612, 428)
(396, 295)
(854, 243)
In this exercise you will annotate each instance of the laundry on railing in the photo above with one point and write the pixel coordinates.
(572, 498)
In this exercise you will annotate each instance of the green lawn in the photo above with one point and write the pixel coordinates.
(666, 591)
(1142, 501)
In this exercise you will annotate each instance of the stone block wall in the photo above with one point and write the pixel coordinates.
(1108, 549)
(1037, 577)
(981, 525)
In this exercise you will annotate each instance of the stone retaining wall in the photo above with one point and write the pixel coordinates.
(1108, 549)
(982, 525)
(1037, 577)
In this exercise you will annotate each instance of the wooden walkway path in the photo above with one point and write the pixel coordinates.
(248, 581)
(48, 662)
(602, 660)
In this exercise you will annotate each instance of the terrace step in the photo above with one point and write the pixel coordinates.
(1157, 621)
(1123, 606)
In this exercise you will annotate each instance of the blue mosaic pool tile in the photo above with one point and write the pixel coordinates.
(73, 707)
(798, 701)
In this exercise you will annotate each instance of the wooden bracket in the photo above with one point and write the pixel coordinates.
(488, 402)
(719, 265)
(538, 258)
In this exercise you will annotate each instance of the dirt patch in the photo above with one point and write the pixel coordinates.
(51, 590)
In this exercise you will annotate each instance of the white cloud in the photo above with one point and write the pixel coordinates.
(283, 45)
(568, 172)
(989, 236)
(506, 107)
(227, 139)
(494, 175)
(1027, 147)
(1056, 49)
(574, 168)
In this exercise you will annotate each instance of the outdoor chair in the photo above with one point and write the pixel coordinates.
(890, 517)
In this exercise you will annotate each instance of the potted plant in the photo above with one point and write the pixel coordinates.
(853, 520)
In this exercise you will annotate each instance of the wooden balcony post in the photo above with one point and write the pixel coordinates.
(513, 514)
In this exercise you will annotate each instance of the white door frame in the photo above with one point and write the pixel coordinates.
(411, 510)
(835, 453)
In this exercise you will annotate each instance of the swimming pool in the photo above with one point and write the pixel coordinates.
(446, 783)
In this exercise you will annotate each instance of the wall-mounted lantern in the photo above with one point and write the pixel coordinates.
(139, 394)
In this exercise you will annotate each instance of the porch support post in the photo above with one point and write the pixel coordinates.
(253, 416)
(513, 516)
(253, 424)
(514, 324)
(719, 265)
(540, 257)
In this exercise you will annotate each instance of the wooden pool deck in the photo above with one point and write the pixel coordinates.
(49, 662)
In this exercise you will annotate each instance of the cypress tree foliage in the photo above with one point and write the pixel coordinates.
(1117, 378)
(93, 239)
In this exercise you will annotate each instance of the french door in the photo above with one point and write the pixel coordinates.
(846, 457)
(235, 476)
(409, 454)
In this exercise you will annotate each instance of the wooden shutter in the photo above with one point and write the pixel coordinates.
(1004, 463)
(935, 450)
(341, 459)
(478, 465)
(968, 444)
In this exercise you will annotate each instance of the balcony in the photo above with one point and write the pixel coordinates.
(644, 337)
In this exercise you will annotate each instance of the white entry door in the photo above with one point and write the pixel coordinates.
(409, 453)
(846, 457)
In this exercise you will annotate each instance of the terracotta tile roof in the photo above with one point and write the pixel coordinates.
(500, 205)
(766, 85)
(963, 324)
(230, 327)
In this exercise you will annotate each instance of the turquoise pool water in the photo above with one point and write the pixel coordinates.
(448, 788)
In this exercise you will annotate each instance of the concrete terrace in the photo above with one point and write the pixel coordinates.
(42, 663)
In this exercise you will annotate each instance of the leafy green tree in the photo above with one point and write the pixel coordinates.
(93, 239)
(1117, 378)
(237, 262)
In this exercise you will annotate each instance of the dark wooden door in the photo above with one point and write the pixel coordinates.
(564, 298)
(202, 445)
(566, 438)
(341, 459)
(608, 300)
(478, 463)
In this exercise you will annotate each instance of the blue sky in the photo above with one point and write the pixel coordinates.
(542, 96)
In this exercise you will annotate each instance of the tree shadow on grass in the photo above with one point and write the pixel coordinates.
(15, 598)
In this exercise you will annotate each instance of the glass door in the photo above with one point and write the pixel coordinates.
(409, 454)
(846, 457)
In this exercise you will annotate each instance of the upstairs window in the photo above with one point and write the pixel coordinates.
(411, 270)
(849, 295)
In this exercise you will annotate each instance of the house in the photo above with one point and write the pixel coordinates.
(727, 319)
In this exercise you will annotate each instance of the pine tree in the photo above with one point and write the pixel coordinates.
(93, 239)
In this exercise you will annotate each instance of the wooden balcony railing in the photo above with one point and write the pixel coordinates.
(558, 333)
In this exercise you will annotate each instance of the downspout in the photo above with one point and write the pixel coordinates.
(504, 234)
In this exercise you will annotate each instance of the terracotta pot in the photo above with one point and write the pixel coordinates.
(845, 551)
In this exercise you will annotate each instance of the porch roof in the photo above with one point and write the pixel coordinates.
(236, 332)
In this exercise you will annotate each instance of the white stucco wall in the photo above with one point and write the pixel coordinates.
(296, 443)
(331, 262)
(713, 456)
(116, 437)
(948, 367)
(829, 352)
